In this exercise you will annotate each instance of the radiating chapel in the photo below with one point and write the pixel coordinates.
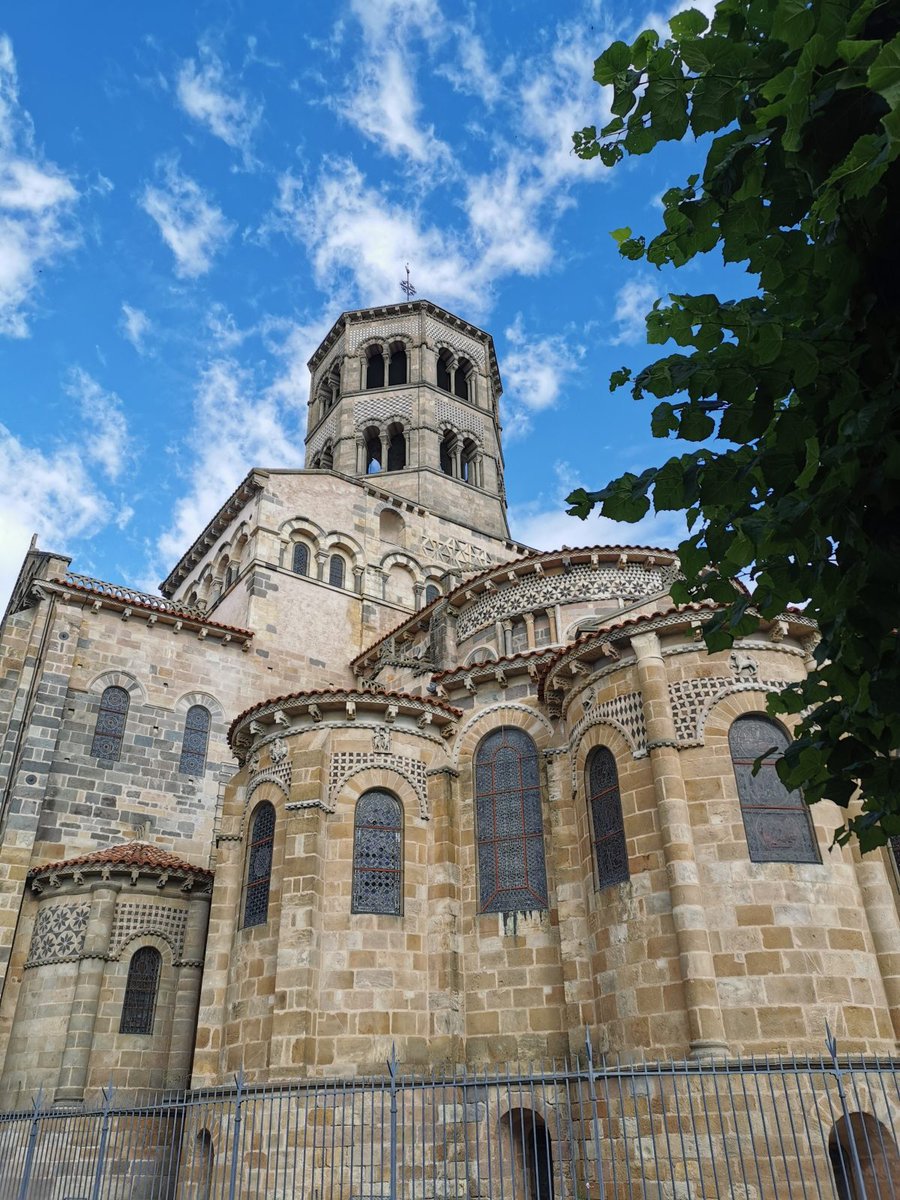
(369, 773)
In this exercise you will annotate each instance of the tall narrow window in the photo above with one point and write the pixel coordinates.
(432, 591)
(607, 825)
(195, 742)
(447, 453)
(397, 367)
(443, 371)
(336, 571)
(110, 728)
(259, 865)
(461, 380)
(375, 368)
(512, 875)
(141, 987)
(396, 451)
(300, 559)
(776, 821)
(378, 854)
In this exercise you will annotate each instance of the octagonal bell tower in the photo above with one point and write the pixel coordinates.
(410, 393)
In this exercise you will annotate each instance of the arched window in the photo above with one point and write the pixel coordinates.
(378, 854)
(432, 591)
(373, 451)
(195, 742)
(327, 460)
(259, 865)
(397, 371)
(300, 559)
(776, 821)
(141, 987)
(468, 462)
(110, 728)
(375, 367)
(607, 825)
(230, 574)
(202, 1166)
(443, 370)
(396, 451)
(461, 380)
(512, 876)
(336, 571)
(447, 442)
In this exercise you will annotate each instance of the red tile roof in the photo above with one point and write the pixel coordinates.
(128, 855)
(143, 600)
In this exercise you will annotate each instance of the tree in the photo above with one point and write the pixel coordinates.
(793, 391)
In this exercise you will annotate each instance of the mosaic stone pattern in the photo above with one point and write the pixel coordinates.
(58, 934)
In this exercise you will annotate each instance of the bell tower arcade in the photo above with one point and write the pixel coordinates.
(410, 393)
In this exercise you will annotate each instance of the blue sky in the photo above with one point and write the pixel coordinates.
(190, 194)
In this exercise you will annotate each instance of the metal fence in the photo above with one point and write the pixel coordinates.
(810, 1128)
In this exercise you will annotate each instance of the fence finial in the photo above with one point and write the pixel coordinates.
(588, 1045)
(830, 1042)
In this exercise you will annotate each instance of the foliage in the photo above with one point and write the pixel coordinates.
(799, 382)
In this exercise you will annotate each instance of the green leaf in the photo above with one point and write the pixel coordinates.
(688, 23)
(612, 63)
(695, 425)
(884, 73)
(620, 235)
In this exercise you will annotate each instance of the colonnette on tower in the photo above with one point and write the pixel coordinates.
(369, 773)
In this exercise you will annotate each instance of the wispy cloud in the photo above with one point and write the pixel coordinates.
(105, 440)
(191, 225)
(211, 97)
(535, 370)
(633, 301)
(36, 202)
(135, 325)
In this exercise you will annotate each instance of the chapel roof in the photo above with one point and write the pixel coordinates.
(127, 856)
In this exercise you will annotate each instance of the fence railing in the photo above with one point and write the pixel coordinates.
(810, 1128)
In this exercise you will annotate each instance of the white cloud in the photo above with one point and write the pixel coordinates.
(545, 524)
(36, 201)
(472, 73)
(209, 96)
(633, 301)
(54, 494)
(135, 325)
(105, 440)
(503, 209)
(192, 226)
(535, 371)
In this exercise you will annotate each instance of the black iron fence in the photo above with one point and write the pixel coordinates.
(810, 1128)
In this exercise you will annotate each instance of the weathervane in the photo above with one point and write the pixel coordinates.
(406, 286)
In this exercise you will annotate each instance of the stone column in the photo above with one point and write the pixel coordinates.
(418, 592)
(881, 917)
(554, 627)
(528, 618)
(361, 458)
(455, 452)
(506, 625)
(358, 576)
(445, 983)
(187, 993)
(224, 915)
(76, 1058)
(321, 561)
(688, 914)
(385, 444)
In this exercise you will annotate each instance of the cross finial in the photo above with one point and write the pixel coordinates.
(406, 286)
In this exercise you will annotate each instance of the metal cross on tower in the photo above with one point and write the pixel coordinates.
(406, 286)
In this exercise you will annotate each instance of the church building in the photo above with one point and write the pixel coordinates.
(371, 775)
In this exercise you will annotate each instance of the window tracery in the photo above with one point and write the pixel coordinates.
(607, 823)
(777, 822)
(378, 854)
(300, 559)
(195, 742)
(109, 731)
(259, 865)
(512, 874)
(139, 1005)
(336, 571)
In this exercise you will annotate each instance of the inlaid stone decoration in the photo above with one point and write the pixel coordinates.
(382, 404)
(465, 346)
(357, 334)
(693, 699)
(462, 418)
(349, 763)
(582, 582)
(58, 934)
(137, 919)
(457, 553)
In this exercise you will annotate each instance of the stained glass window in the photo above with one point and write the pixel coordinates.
(336, 571)
(300, 561)
(431, 593)
(512, 875)
(139, 1004)
(110, 728)
(776, 821)
(259, 865)
(195, 742)
(607, 825)
(378, 854)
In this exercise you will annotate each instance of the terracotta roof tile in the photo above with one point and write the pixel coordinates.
(127, 855)
(143, 600)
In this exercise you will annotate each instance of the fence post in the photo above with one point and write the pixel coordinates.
(831, 1043)
(104, 1138)
(32, 1143)
(595, 1120)
(392, 1069)
(238, 1101)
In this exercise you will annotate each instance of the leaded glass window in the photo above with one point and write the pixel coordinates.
(607, 824)
(431, 593)
(776, 821)
(378, 854)
(512, 875)
(300, 561)
(259, 865)
(336, 571)
(195, 742)
(110, 728)
(141, 987)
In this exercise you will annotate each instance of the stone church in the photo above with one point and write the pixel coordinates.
(369, 773)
